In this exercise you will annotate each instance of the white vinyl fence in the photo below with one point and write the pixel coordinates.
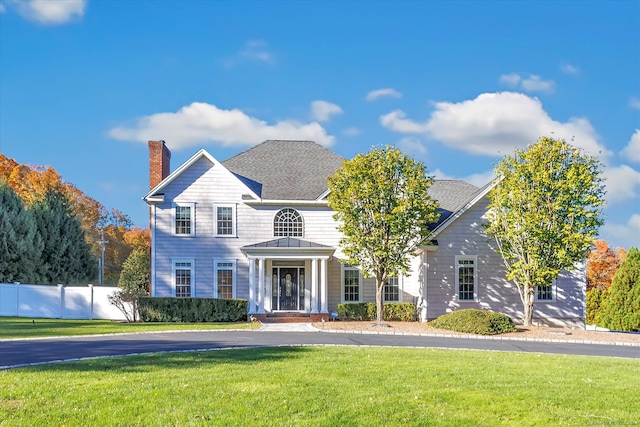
(57, 302)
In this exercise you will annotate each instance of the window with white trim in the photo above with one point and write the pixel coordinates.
(224, 276)
(288, 223)
(392, 290)
(466, 278)
(225, 220)
(183, 219)
(351, 284)
(546, 293)
(183, 277)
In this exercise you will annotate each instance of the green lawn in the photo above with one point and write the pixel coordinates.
(325, 386)
(21, 327)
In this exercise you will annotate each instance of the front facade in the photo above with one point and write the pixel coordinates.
(257, 226)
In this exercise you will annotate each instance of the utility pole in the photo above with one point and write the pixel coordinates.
(101, 261)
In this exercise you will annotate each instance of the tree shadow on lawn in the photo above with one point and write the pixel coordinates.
(177, 359)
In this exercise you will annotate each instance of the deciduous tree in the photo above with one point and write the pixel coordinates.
(383, 210)
(544, 213)
(602, 264)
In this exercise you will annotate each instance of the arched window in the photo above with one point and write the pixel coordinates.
(287, 223)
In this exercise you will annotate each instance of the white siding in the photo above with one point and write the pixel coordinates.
(466, 237)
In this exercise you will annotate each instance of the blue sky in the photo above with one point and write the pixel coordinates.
(85, 83)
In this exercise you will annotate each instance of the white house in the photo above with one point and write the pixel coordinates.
(258, 226)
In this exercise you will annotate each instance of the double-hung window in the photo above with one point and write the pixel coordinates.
(392, 290)
(466, 278)
(351, 284)
(225, 220)
(183, 219)
(224, 276)
(183, 277)
(546, 293)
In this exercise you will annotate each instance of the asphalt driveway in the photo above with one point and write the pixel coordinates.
(24, 352)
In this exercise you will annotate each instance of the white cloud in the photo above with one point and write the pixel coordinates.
(495, 124)
(623, 235)
(52, 12)
(375, 94)
(397, 122)
(352, 131)
(533, 83)
(536, 84)
(570, 69)
(412, 145)
(512, 79)
(621, 183)
(477, 179)
(634, 103)
(632, 150)
(2, 8)
(253, 51)
(323, 110)
(200, 123)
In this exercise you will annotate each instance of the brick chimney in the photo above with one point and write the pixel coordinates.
(159, 162)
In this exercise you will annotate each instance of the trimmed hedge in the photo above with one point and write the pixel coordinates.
(161, 309)
(482, 322)
(403, 311)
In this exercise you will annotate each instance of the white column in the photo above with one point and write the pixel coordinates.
(91, 299)
(323, 286)
(252, 286)
(260, 285)
(314, 285)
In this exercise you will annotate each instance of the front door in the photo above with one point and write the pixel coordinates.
(288, 288)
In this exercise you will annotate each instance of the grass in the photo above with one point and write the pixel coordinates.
(21, 327)
(325, 386)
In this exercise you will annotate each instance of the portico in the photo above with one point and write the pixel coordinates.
(288, 275)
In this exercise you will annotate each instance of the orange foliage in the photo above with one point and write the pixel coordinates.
(31, 182)
(602, 264)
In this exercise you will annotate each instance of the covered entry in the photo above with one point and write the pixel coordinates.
(287, 286)
(288, 275)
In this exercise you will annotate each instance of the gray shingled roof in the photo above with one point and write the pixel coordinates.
(452, 195)
(298, 170)
(287, 170)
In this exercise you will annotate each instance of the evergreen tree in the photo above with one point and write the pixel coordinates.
(620, 310)
(20, 243)
(134, 278)
(66, 257)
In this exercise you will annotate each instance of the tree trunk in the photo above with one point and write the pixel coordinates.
(527, 296)
(379, 303)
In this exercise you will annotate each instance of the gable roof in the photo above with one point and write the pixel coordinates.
(451, 195)
(287, 170)
(155, 195)
(475, 198)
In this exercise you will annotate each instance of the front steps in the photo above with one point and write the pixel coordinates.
(285, 317)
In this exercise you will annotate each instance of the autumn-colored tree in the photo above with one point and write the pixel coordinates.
(31, 183)
(602, 264)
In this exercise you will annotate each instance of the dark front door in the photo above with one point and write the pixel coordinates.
(288, 289)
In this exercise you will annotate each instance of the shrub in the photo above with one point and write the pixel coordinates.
(595, 299)
(483, 322)
(403, 311)
(154, 309)
(620, 311)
